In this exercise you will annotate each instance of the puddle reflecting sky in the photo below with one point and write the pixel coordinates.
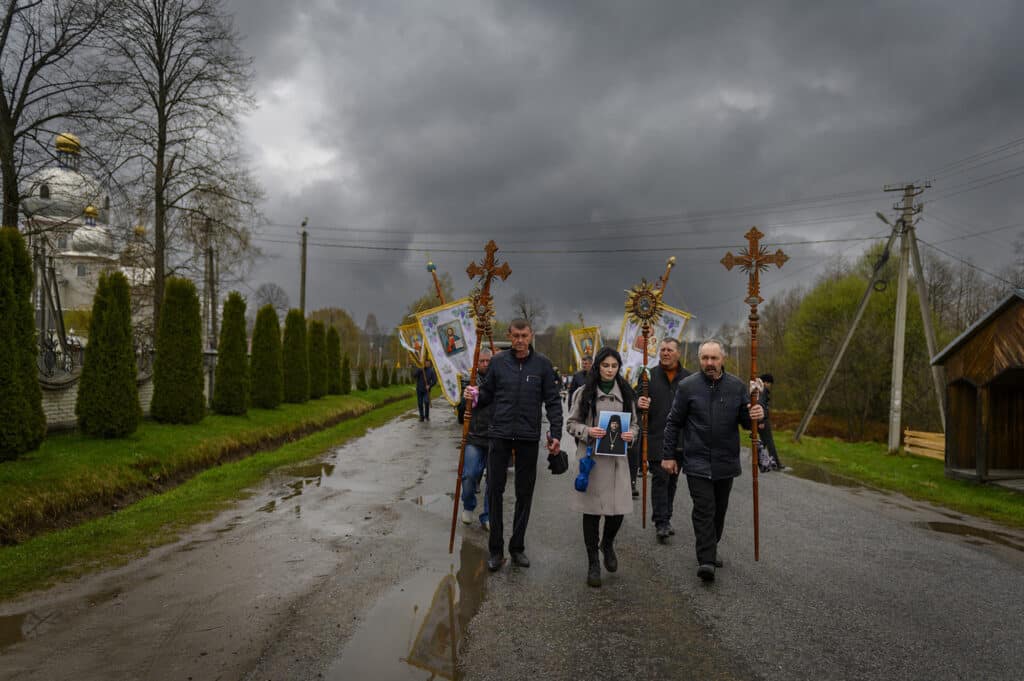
(418, 628)
(817, 474)
(962, 530)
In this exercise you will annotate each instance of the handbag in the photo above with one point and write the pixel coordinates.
(558, 463)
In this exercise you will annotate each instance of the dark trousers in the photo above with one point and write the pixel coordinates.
(769, 442)
(710, 501)
(526, 478)
(423, 404)
(633, 457)
(591, 524)
(663, 493)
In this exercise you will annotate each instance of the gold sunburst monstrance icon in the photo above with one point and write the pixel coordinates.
(643, 304)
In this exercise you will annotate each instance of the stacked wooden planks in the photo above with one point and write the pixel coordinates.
(921, 443)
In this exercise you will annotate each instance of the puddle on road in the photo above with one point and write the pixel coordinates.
(317, 470)
(973, 532)
(419, 626)
(818, 474)
(12, 629)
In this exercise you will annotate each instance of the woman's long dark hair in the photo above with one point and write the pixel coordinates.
(588, 399)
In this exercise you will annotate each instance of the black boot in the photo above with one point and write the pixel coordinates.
(590, 534)
(612, 523)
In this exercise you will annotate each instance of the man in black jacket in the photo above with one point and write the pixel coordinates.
(706, 411)
(664, 379)
(517, 383)
(579, 379)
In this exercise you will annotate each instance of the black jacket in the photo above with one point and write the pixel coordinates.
(517, 388)
(708, 413)
(579, 379)
(425, 379)
(480, 421)
(662, 392)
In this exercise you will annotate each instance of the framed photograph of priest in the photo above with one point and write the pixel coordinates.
(452, 338)
(614, 424)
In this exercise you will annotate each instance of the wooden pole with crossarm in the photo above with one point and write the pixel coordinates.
(753, 260)
(483, 313)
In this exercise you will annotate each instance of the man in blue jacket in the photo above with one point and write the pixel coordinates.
(426, 379)
(708, 408)
(517, 383)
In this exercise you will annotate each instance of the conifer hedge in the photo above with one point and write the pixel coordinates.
(317, 345)
(333, 362)
(296, 358)
(231, 381)
(23, 423)
(385, 377)
(266, 367)
(346, 376)
(178, 367)
(374, 381)
(394, 376)
(361, 380)
(108, 394)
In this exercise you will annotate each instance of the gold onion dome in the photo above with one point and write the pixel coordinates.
(140, 230)
(68, 143)
(91, 212)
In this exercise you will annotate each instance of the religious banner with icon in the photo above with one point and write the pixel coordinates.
(585, 342)
(671, 324)
(411, 338)
(449, 332)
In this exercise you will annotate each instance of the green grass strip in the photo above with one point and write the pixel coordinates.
(159, 519)
(73, 477)
(916, 477)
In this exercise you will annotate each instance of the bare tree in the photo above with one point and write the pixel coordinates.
(529, 308)
(47, 76)
(272, 294)
(182, 84)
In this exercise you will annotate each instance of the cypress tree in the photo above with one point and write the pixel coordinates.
(385, 377)
(178, 367)
(317, 345)
(23, 424)
(231, 381)
(374, 381)
(333, 362)
(394, 376)
(361, 379)
(108, 394)
(266, 369)
(296, 358)
(346, 376)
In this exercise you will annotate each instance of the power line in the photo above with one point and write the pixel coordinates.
(965, 262)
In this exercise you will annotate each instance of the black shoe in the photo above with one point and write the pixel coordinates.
(636, 492)
(593, 569)
(662, 532)
(421, 419)
(671, 530)
(706, 572)
(719, 563)
(519, 558)
(611, 561)
(494, 562)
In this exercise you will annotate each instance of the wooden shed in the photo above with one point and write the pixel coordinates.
(984, 369)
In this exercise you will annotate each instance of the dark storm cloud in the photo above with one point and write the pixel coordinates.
(531, 123)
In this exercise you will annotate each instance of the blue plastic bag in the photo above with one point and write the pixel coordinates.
(586, 464)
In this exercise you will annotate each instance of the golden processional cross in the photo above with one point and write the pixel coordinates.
(753, 260)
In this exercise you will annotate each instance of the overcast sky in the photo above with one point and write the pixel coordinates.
(610, 135)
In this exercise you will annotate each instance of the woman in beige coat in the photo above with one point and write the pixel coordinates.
(608, 492)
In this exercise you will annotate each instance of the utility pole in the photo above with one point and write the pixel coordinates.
(302, 287)
(211, 296)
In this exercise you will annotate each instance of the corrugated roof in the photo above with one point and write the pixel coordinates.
(973, 329)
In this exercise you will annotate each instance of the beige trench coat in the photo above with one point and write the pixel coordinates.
(609, 491)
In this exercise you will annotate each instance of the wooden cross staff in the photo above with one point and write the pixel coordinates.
(753, 260)
(483, 311)
(432, 268)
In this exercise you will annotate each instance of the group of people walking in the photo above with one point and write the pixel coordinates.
(692, 430)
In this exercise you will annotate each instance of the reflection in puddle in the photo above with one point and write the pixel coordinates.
(968, 531)
(818, 474)
(317, 470)
(418, 626)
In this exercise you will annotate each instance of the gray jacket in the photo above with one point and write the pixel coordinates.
(708, 413)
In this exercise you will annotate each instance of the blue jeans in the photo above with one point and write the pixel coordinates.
(473, 466)
(423, 403)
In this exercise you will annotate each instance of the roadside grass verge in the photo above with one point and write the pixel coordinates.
(916, 477)
(72, 477)
(158, 519)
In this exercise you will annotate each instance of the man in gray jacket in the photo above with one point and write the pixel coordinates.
(708, 408)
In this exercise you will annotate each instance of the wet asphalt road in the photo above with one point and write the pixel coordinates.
(340, 570)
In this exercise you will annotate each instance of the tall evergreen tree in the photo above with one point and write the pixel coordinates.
(361, 379)
(108, 394)
(394, 376)
(317, 344)
(374, 380)
(23, 424)
(333, 361)
(231, 381)
(178, 367)
(385, 377)
(296, 358)
(346, 376)
(266, 368)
